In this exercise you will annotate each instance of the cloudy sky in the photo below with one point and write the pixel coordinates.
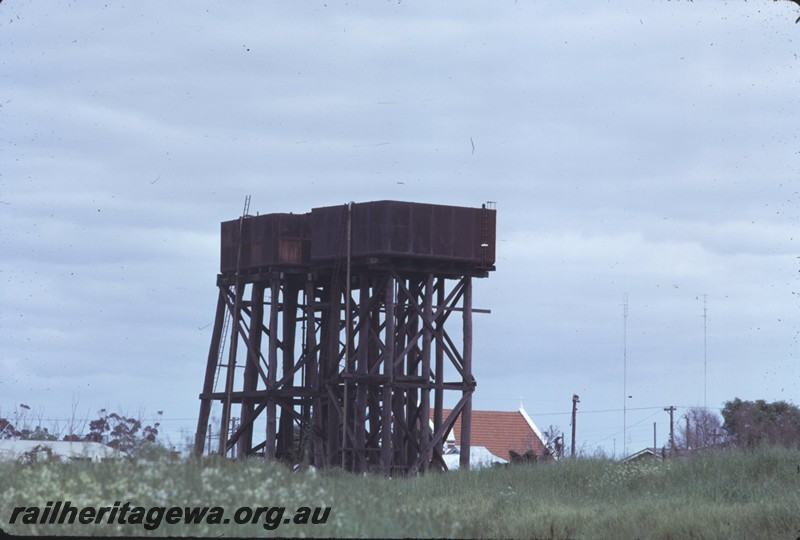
(640, 148)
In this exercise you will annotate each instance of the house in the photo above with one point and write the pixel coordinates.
(500, 433)
(479, 457)
(15, 450)
(643, 455)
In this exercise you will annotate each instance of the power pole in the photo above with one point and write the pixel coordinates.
(688, 433)
(670, 410)
(575, 401)
(234, 425)
(654, 437)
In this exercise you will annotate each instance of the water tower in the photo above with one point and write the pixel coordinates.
(337, 334)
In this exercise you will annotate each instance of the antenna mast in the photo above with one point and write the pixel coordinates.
(625, 375)
(705, 354)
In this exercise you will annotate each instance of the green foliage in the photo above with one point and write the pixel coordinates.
(38, 434)
(121, 432)
(127, 434)
(528, 457)
(7, 430)
(735, 494)
(753, 423)
(553, 441)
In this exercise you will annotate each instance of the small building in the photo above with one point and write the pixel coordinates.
(501, 433)
(646, 454)
(479, 458)
(65, 451)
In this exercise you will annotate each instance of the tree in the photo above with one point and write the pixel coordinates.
(751, 423)
(528, 457)
(7, 429)
(120, 432)
(553, 441)
(702, 429)
(38, 434)
(127, 434)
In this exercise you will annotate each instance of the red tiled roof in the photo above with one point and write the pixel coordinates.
(500, 431)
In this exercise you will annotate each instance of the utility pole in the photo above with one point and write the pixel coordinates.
(654, 438)
(688, 433)
(670, 410)
(234, 425)
(575, 401)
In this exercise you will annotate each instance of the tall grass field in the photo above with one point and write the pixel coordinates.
(734, 494)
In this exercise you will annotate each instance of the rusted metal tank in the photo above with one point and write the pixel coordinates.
(393, 229)
(267, 240)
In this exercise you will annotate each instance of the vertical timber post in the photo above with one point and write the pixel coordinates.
(231, 372)
(245, 443)
(360, 413)
(425, 405)
(272, 364)
(400, 393)
(466, 412)
(313, 378)
(411, 368)
(347, 335)
(388, 374)
(374, 391)
(438, 399)
(330, 368)
(288, 306)
(208, 382)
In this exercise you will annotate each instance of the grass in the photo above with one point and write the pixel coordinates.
(729, 495)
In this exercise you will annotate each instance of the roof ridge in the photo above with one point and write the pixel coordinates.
(531, 424)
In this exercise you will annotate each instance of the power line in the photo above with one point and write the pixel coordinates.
(632, 425)
(532, 414)
(598, 411)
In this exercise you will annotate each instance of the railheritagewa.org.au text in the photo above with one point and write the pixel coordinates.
(151, 518)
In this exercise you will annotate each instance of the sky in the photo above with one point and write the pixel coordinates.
(646, 151)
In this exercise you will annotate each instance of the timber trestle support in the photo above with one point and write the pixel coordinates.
(344, 362)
